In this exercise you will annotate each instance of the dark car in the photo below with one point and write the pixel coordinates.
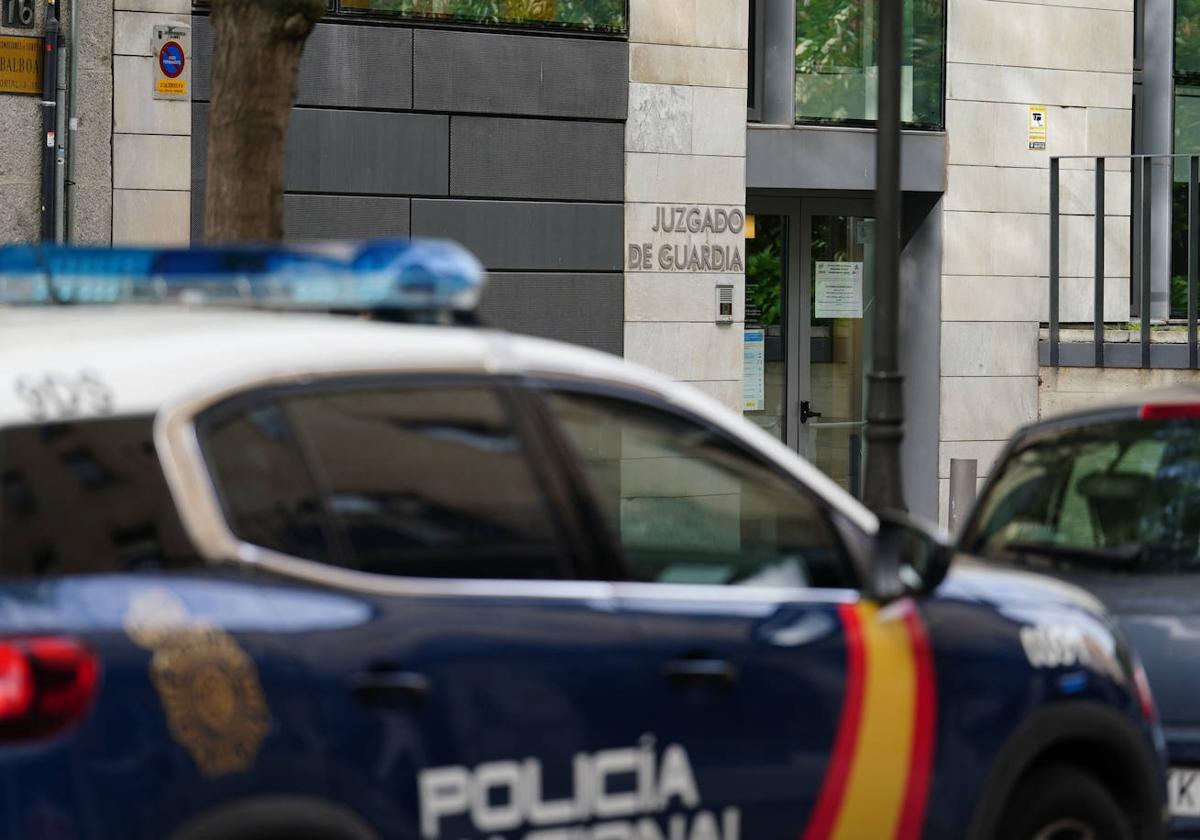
(308, 576)
(1109, 499)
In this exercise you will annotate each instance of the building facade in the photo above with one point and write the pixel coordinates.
(688, 183)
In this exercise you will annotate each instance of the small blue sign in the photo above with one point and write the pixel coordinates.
(170, 59)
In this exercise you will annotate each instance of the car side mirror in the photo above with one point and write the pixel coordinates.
(912, 557)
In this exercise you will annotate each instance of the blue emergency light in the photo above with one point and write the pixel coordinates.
(418, 276)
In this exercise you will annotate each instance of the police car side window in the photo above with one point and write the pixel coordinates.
(687, 506)
(429, 482)
(86, 497)
(269, 497)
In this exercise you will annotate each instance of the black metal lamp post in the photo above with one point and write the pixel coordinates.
(52, 42)
(883, 487)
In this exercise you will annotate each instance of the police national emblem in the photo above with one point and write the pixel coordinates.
(208, 685)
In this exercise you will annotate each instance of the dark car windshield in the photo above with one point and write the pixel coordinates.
(1120, 496)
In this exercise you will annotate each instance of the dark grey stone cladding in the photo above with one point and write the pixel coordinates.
(511, 143)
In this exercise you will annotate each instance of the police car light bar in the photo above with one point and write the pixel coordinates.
(419, 276)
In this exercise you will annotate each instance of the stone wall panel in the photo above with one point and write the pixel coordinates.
(685, 156)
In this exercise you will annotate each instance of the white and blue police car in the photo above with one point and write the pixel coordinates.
(369, 571)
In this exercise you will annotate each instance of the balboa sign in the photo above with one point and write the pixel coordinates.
(20, 64)
(689, 238)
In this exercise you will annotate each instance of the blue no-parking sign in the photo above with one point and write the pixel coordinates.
(171, 72)
(171, 60)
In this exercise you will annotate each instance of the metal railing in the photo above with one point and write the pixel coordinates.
(1145, 353)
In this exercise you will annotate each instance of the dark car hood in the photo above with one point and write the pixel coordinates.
(1002, 587)
(1160, 616)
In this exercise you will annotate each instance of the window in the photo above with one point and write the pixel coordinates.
(1186, 141)
(600, 16)
(428, 482)
(1187, 38)
(687, 506)
(1139, 35)
(837, 61)
(592, 15)
(754, 61)
(86, 497)
(269, 498)
(1123, 497)
(766, 324)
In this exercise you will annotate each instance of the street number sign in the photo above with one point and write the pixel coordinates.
(18, 13)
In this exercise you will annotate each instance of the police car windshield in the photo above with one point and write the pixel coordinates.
(1118, 497)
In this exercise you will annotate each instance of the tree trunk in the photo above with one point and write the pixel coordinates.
(256, 55)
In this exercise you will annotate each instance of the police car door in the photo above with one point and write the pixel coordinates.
(467, 676)
(191, 697)
(753, 685)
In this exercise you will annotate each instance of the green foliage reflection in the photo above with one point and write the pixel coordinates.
(595, 15)
(837, 60)
(1125, 493)
(764, 273)
(1187, 141)
(1187, 36)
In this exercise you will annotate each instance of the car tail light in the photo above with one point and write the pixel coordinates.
(1141, 685)
(1170, 411)
(47, 684)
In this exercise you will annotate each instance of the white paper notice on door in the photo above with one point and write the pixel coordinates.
(753, 362)
(839, 290)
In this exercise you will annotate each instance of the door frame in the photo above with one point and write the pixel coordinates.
(797, 289)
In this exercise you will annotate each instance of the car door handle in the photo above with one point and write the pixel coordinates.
(700, 670)
(381, 686)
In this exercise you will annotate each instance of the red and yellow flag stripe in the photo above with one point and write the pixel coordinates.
(877, 781)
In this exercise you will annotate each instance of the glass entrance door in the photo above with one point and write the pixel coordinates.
(810, 278)
(838, 275)
(765, 380)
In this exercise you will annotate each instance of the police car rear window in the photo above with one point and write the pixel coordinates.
(417, 481)
(85, 497)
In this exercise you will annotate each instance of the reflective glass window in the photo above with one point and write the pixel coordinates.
(424, 482)
(1187, 37)
(764, 386)
(751, 56)
(592, 15)
(842, 251)
(1120, 497)
(267, 492)
(86, 496)
(428, 482)
(687, 506)
(1187, 141)
(837, 61)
